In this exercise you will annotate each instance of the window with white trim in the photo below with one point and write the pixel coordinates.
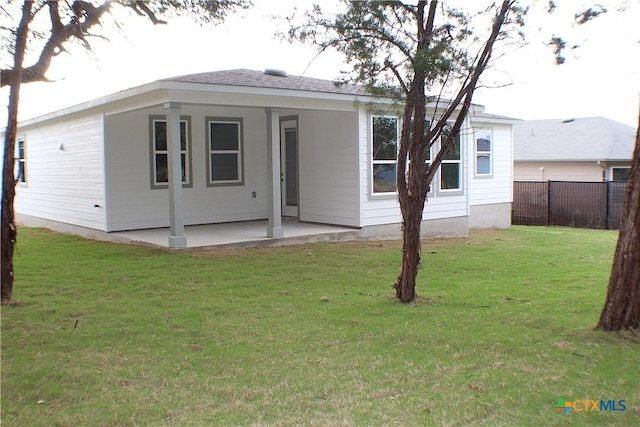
(224, 148)
(384, 154)
(484, 146)
(427, 165)
(21, 166)
(451, 166)
(160, 153)
(622, 173)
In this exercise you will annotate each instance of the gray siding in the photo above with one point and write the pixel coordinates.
(328, 167)
(134, 205)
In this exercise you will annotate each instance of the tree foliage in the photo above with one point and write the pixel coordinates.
(410, 51)
(562, 41)
(44, 28)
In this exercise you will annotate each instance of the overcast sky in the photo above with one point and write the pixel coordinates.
(601, 79)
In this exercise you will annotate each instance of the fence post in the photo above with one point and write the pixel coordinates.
(548, 202)
(607, 210)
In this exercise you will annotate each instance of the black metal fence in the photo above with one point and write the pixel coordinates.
(568, 203)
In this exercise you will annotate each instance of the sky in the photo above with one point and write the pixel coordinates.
(601, 78)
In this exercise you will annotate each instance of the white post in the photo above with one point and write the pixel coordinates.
(274, 228)
(177, 238)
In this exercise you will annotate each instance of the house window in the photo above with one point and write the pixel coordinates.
(451, 166)
(427, 162)
(225, 157)
(620, 174)
(21, 167)
(484, 141)
(160, 153)
(384, 154)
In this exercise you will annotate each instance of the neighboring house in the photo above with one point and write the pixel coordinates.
(248, 145)
(585, 149)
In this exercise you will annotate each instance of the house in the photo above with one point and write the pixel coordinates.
(248, 145)
(593, 149)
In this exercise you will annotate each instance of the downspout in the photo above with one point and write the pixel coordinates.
(604, 170)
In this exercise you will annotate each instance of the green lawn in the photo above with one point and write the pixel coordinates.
(110, 335)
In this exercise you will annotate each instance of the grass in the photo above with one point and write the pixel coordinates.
(110, 335)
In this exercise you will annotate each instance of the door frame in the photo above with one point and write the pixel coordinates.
(289, 210)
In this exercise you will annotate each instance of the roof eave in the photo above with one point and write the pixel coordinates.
(94, 103)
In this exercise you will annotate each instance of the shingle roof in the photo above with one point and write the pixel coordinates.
(476, 115)
(582, 139)
(252, 78)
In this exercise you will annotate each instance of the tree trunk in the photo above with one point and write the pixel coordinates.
(412, 188)
(8, 227)
(622, 307)
(416, 138)
(412, 219)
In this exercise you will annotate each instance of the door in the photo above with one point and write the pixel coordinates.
(289, 166)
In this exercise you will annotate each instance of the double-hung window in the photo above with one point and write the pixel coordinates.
(384, 154)
(160, 153)
(451, 166)
(21, 166)
(224, 148)
(484, 143)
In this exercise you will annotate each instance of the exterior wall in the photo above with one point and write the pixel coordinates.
(490, 216)
(327, 170)
(490, 197)
(442, 227)
(66, 228)
(610, 165)
(64, 171)
(102, 178)
(385, 209)
(557, 171)
(134, 205)
(327, 166)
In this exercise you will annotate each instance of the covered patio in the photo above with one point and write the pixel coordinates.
(243, 234)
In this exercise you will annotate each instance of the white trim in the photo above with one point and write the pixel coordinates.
(477, 153)
(177, 237)
(373, 162)
(611, 168)
(288, 123)
(459, 162)
(274, 225)
(21, 162)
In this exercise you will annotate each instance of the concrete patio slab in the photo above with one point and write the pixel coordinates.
(240, 235)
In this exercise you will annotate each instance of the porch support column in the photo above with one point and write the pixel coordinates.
(177, 238)
(274, 228)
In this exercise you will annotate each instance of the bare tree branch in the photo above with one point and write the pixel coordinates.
(146, 10)
(86, 16)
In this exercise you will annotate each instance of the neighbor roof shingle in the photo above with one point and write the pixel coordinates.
(582, 139)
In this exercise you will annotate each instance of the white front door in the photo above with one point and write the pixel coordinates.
(289, 167)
